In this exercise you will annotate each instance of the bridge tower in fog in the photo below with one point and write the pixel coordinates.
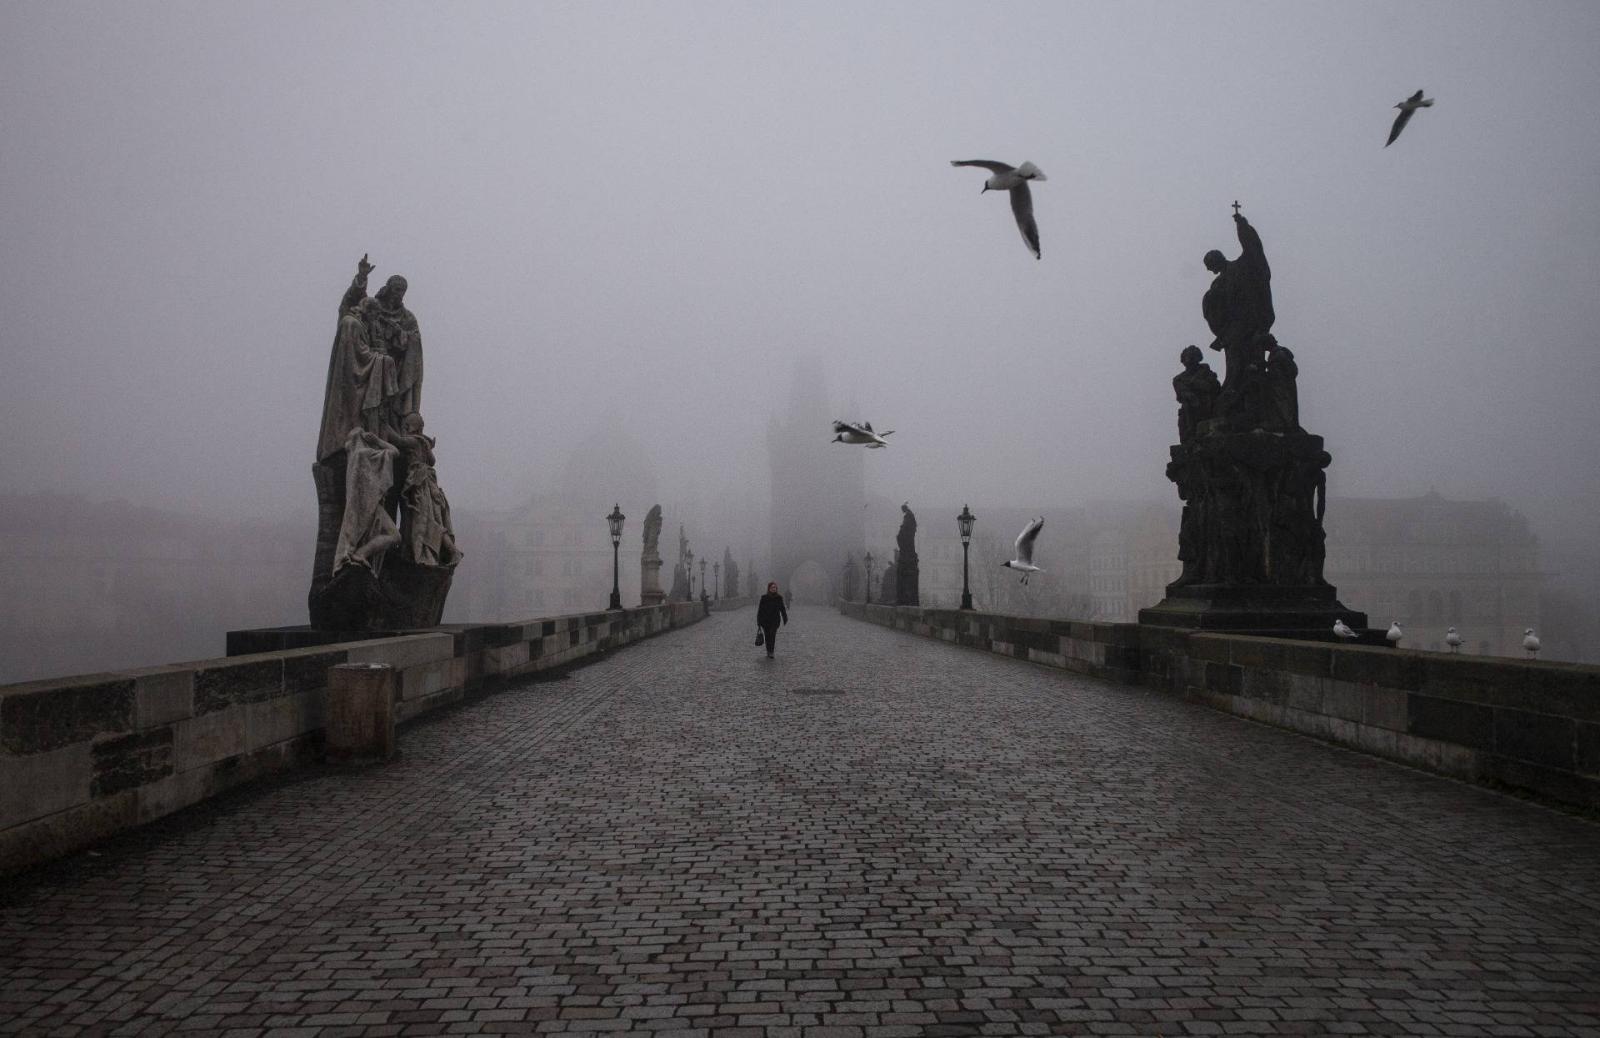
(817, 491)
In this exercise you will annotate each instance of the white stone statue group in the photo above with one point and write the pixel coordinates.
(372, 413)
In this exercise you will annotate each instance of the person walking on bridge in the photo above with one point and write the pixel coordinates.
(769, 611)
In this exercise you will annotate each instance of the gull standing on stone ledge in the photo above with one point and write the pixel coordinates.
(1013, 179)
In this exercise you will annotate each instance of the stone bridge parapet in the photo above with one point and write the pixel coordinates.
(84, 757)
(1518, 724)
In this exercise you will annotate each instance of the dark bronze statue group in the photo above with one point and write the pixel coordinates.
(1252, 481)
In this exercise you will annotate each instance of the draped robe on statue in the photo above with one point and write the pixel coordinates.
(374, 371)
(367, 531)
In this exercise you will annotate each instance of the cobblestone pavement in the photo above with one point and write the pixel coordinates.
(873, 835)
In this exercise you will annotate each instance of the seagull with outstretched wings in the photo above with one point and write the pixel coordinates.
(1014, 180)
(1408, 108)
(845, 432)
(1024, 549)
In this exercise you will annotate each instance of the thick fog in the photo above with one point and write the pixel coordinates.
(639, 217)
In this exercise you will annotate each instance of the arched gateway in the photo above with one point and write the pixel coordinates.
(812, 584)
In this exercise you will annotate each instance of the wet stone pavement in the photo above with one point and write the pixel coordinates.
(872, 835)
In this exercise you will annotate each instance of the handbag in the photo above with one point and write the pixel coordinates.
(761, 636)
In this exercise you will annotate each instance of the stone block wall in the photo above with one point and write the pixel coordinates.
(84, 757)
(1519, 724)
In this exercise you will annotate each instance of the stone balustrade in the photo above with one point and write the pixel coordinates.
(84, 757)
(1518, 724)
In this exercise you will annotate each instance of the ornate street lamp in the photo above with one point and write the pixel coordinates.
(965, 521)
(702, 577)
(867, 562)
(615, 521)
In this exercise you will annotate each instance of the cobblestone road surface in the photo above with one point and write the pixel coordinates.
(873, 835)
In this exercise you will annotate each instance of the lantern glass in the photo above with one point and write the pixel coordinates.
(614, 520)
(965, 521)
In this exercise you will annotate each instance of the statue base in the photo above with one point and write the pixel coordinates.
(1251, 536)
(406, 595)
(908, 582)
(1276, 611)
(650, 592)
(403, 594)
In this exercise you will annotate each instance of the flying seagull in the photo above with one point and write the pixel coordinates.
(1452, 638)
(1015, 180)
(1530, 641)
(1024, 559)
(1343, 630)
(1408, 108)
(847, 433)
(1394, 634)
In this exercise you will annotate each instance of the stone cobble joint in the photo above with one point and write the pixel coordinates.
(674, 841)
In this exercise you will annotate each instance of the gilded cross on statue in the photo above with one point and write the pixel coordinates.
(1236, 207)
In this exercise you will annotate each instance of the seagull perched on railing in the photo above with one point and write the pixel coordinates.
(1394, 634)
(1024, 559)
(1453, 639)
(1530, 641)
(1342, 630)
(1408, 108)
(847, 433)
(1013, 179)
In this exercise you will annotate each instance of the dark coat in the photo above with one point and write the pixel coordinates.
(769, 609)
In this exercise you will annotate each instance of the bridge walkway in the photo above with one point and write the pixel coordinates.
(873, 835)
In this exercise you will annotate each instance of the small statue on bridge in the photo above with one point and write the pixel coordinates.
(652, 530)
(907, 578)
(650, 592)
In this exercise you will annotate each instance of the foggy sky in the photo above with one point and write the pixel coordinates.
(641, 214)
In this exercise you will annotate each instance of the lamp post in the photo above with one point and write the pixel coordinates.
(702, 578)
(867, 562)
(965, 521)
(688, 575)
(716, 581)
(614, 520)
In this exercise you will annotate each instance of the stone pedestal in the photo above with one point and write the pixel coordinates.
(401, 594)
(1292, 612)
(650, 592)
(908, 581)
(361, 712)
(1251, 538)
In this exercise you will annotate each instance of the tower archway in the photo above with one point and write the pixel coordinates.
(811, 584)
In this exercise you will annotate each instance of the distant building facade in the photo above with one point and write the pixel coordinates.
(544, 558)
(1433, 564)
